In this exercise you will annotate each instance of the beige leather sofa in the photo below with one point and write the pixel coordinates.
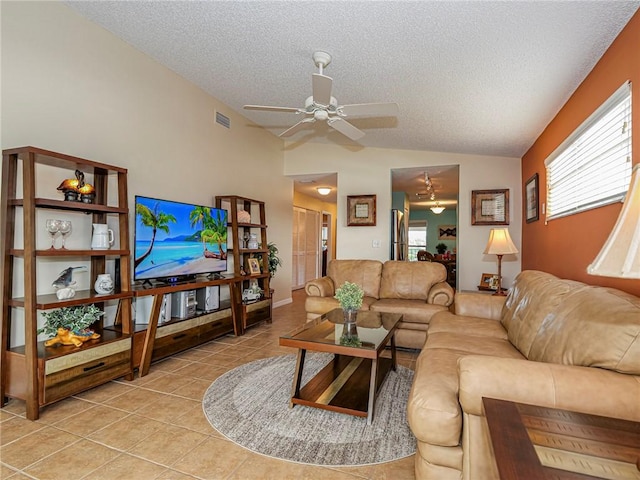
(418, 290)
(555, 343)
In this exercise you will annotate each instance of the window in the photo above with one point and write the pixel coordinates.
(417, 239)
(592, 167)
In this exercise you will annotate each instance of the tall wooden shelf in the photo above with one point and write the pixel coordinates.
(37, 374)
(248, 313)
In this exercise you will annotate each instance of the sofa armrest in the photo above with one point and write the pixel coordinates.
(441, 294)
(479, 305)
(320, 287)
(583, 389)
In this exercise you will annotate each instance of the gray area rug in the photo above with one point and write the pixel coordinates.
(250, 406)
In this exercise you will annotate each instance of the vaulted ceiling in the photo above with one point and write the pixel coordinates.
(480, 77)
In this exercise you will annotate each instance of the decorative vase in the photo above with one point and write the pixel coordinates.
(104, 284)
(253, 242)
(350, 328)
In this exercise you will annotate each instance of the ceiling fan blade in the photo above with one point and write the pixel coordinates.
(345, 128)
(322, 89)
(369, 110)
(302, 124)
(272, 109)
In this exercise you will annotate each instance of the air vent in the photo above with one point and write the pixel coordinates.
(223, 120)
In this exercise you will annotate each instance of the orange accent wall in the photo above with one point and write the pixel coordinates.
(564, 247)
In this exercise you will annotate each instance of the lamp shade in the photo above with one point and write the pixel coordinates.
(620, 256)
(323, 190)
(500, 243)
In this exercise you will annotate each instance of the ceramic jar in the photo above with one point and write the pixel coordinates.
(104, 284)
(253, 241)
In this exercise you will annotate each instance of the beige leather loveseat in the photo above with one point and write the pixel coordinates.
(418, 290)
(555, 343)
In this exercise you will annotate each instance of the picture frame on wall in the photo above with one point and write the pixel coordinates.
(361, 210)
(490, 207)
(446, 232)
(531, 199)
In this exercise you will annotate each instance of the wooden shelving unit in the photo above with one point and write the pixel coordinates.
(248, 313)
(37, 374)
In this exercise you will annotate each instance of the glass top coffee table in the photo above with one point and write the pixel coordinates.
(348, 384)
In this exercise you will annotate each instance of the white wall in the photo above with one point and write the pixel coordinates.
(368, 171)
(70, 86)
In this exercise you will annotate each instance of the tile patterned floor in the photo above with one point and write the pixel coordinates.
(154, 428)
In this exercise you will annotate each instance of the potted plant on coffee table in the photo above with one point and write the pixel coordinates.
(70, 325)
(350, 296)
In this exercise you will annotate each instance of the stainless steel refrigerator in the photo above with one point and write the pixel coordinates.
(399, 247)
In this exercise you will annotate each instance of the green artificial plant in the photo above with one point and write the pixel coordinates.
(350, 296)
(441, 248)
(274, 260)
(75, 319)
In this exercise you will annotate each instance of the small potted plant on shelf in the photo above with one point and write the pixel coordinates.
(70, 325)
(274, 260)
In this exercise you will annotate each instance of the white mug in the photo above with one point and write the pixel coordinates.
(102, 237)
(104, 284)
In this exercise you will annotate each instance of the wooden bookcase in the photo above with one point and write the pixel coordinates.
(37, 374)
(253, 312)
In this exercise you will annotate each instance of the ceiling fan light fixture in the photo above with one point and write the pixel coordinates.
(323, 190)
(437, 209)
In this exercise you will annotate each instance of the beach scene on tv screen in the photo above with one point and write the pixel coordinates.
(174, 239)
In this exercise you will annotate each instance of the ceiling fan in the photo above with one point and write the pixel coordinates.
(321, 106)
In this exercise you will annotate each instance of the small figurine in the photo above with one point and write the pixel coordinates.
(67, 337)
(65, 278)
(65, 293)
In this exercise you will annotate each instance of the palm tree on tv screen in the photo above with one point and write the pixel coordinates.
(154, 219)
(200, 215)
(216, 232)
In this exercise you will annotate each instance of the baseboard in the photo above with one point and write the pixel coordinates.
(282, 303)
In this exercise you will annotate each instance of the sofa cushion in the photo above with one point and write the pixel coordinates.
(365, 273)
(534, 298)
(592, 327)
(416, 311)
(483, 327)
(410, 280)
(472, 345)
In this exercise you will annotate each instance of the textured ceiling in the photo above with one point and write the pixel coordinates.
(481, 77)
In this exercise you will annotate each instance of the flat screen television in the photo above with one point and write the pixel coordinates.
(176, 241)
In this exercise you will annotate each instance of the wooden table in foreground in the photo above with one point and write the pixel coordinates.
(349, 384)
(538, 443)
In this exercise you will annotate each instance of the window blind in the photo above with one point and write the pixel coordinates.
(592, 167)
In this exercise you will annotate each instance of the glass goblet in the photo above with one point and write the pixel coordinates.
(246, 237)
(53, 227)
(65, 229)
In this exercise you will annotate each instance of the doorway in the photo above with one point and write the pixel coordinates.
(314, 217)
(430, 196)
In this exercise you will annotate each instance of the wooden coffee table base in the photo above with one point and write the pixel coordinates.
(346, 385)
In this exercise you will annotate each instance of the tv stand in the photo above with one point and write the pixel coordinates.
(152, 341)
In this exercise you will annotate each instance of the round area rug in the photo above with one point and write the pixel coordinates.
(250, 406)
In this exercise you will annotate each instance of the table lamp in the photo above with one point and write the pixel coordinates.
(620, 255)
(500, 244)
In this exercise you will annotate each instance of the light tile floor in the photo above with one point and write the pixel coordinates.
(154, 428)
